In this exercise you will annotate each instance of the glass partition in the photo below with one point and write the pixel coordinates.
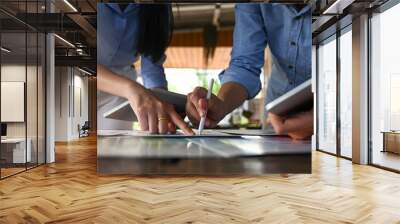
(22, 90)
(326, 95)
(31, 97)
(346, 93)
(41, 97)
(14, 151)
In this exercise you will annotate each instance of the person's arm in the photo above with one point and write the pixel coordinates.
(300, 125)
(116, 85)
(153, 115)
(241, 80)
(233, 95)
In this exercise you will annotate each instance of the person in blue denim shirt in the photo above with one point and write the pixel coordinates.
(127, 32)
(286, 29)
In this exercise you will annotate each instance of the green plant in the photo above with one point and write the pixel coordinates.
(203, 81)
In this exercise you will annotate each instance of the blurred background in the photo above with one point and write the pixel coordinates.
(200, 49)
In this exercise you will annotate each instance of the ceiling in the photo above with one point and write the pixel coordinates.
(193, 57)
(79, 27)
(186, 51)
(189, 16)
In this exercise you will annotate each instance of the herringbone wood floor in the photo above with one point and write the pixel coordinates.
(70, 191)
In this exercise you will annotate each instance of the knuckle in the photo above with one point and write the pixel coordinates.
(141, 110)
(159, 104)
(278, 129)
(192, 98)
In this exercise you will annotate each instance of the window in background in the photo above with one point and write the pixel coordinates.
(326, 96)
(192, 79)
(346, 93)
(385, 88)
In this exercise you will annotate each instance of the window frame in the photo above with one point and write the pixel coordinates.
(346, 26)
(378, 10)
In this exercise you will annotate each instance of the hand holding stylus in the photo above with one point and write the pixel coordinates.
(204, 114)
(198, 106)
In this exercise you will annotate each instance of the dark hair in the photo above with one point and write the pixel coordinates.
(155, 30)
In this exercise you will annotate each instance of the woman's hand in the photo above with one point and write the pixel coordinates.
(154, 115)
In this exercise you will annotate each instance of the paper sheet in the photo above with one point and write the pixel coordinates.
(178, 134)
(249, 132)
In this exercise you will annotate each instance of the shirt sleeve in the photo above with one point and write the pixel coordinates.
(153, 73)
(247, 56)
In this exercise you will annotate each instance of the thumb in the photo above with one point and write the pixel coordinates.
(197, 98)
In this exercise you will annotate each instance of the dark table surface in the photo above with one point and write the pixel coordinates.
(252, 155)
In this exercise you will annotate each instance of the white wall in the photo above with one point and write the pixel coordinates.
(13, 100)
(33, 126)
(12, 73)
(15, 73)
(71, 93)
(61, 103)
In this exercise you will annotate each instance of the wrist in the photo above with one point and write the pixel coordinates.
(224, 106)
(232, 95)
(133, 90)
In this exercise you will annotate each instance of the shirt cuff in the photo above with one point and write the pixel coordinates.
(149, 82)
(243, 77)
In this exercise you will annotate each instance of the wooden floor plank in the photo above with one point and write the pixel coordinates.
(70, 191)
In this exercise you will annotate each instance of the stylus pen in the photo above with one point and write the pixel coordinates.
(203, 118)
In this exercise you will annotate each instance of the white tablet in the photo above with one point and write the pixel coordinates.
(297, 99)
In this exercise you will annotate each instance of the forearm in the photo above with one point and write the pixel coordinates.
(114, 84)
(233, 95)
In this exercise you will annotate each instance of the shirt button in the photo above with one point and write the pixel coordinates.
(291, 83)
(290, 66)
(293, 43)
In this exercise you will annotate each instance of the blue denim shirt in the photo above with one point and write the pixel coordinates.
(117, 33)
(287, 31)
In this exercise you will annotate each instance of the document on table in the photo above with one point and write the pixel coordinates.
(178, 134)
(249, 132)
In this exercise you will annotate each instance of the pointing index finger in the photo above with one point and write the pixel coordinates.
(176, 119)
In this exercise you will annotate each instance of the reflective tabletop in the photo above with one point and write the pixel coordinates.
(240, 155)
